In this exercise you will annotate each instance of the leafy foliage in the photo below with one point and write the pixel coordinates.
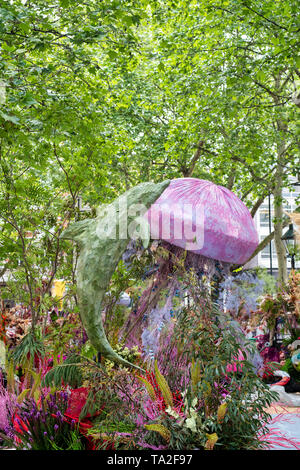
(68, 373)
(30, 347)
(225, 402)
(42, 427)
(110, 94)
(283, 305)
(100, 96)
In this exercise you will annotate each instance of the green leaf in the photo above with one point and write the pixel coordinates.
(10, 118)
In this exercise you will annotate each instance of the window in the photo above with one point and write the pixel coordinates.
(264, 218)
(287, 206)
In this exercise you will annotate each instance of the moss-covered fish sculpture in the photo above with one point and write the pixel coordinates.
(102, 241)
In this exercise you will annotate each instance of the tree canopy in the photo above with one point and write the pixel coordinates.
(97, 96)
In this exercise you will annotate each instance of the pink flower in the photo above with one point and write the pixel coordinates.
(233, 367)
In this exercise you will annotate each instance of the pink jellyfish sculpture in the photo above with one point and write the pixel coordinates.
(214, 227)
(217, 222)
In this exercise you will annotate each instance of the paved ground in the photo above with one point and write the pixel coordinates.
(286, 423)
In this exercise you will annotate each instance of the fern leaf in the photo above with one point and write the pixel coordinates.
(10, 376)
(149, 387)
(36, 395)
(162, 430)
(164, 387)
(195, 373)
(37, 381)
(23, 395)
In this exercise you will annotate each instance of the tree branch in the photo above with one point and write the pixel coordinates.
(264, 17)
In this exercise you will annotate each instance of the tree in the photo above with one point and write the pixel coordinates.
(224, 76)
(54, 137)
(103, 95)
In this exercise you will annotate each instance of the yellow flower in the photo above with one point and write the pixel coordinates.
(221, 412)
(211, 440)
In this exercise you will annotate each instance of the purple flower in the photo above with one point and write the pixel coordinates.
(59, 416)
(56, 427)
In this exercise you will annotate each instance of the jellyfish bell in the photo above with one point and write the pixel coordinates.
(205, 218)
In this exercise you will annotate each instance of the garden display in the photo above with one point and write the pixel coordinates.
(149, 228)
(280, 313)
(166, 369)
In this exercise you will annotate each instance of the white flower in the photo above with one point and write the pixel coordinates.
(190, 423)
(194, 402)
(172, 412)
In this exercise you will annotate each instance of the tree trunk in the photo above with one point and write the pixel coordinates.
(278, 223)
(278, 207)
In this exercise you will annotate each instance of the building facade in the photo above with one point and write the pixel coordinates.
(267, 258)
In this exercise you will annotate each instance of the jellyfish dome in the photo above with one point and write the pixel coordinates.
(205, 218)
